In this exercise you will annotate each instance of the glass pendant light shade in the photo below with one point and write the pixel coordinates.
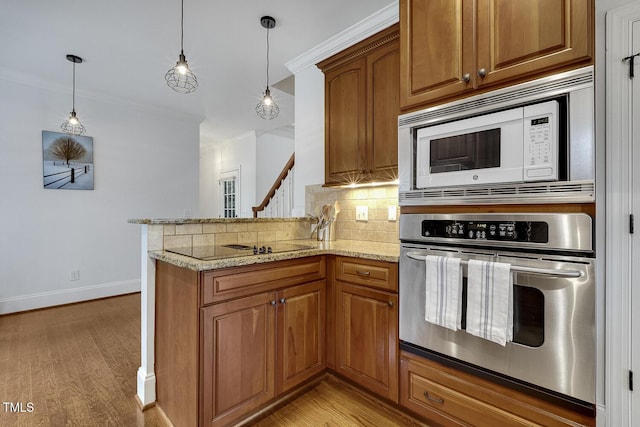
(180, 78)
(72, 125)
(267, 108)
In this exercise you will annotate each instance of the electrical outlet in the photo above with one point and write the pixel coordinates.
(362, 213)
(392, 213)
(188, 213)
(74, 275)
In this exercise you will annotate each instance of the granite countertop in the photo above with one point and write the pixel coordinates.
(389, 252)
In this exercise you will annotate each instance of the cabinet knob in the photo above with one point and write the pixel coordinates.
(282, 300)
(390, 303)
(363, 273)
(433, 399)
(466, 78)
(482, 72)
(273, 302)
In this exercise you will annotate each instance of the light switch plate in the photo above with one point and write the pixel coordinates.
(392, 213)
(362, 213)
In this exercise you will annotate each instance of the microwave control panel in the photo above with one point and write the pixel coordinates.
(541, 141)
(515, 231)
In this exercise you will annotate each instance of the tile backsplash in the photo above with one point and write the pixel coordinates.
(378, 227)
(175, 236)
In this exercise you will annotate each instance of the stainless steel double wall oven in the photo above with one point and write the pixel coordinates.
(552, 256)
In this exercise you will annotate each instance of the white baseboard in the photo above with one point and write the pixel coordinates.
(66, 296)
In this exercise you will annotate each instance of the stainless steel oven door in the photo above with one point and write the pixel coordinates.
(554, 319)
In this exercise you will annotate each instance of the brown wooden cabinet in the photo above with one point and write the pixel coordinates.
(449, 397)
(362, 103)
(258, 347)
(238, 352)
(228, 341)
(451, 49)
(300, 331)
(366, 324)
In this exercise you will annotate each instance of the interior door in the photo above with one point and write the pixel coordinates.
(635, 250)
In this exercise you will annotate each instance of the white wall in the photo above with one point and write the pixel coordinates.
(209, 175)
(273, 150)
(237, 154)
(146, 165)
(258, 158)
(309, 134)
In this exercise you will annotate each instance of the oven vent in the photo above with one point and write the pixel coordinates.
(509, 97)
(542, 192)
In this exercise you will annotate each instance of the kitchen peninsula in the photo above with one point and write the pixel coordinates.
(226, 335)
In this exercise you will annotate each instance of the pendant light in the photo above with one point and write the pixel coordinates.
(267, 107)
(72, 125)
(180, 78)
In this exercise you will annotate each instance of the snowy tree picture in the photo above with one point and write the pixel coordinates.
(67, 161)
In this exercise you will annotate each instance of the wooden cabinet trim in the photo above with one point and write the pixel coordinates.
(361, 49)
(222, 285)
(588, 208)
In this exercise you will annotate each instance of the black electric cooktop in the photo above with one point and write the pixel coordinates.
(208, 253)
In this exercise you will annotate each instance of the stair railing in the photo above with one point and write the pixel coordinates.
(279, 199)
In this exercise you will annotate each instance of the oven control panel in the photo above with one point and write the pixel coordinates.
(515, 231)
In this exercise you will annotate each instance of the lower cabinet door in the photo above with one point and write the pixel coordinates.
(300, 334)
(238, 340)
(366, 338)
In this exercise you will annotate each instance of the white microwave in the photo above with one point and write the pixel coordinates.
(533, 142)
(515, 145)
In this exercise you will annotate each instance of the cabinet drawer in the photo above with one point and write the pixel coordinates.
(448, 396)
(378, 274)
(221, 285)
(432, 397)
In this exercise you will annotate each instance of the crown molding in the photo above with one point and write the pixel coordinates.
(372, 24)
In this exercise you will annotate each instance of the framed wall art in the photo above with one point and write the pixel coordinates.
(67, 161)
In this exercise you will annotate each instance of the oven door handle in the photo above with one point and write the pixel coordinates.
(515, 268)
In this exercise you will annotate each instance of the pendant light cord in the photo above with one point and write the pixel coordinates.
(73, 96)
(267, 58)
(182, 27)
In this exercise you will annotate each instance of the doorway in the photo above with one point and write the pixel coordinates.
(622, 216)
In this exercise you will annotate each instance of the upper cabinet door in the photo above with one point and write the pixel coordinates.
(436, 50)
(450, 49)
(384, 108)
(345, 115)
(361, 110)
(517, 38)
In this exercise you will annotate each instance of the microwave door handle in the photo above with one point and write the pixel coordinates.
(515, 268)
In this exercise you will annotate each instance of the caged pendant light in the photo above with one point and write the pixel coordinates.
(72, 125)
(180, 78)
(267, 107)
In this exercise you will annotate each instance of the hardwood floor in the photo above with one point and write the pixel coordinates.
(334, 403)
(76, 365)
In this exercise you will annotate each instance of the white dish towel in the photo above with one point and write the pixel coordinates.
(490, 301)
(443, 291)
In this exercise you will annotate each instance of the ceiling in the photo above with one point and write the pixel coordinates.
(128, 46)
